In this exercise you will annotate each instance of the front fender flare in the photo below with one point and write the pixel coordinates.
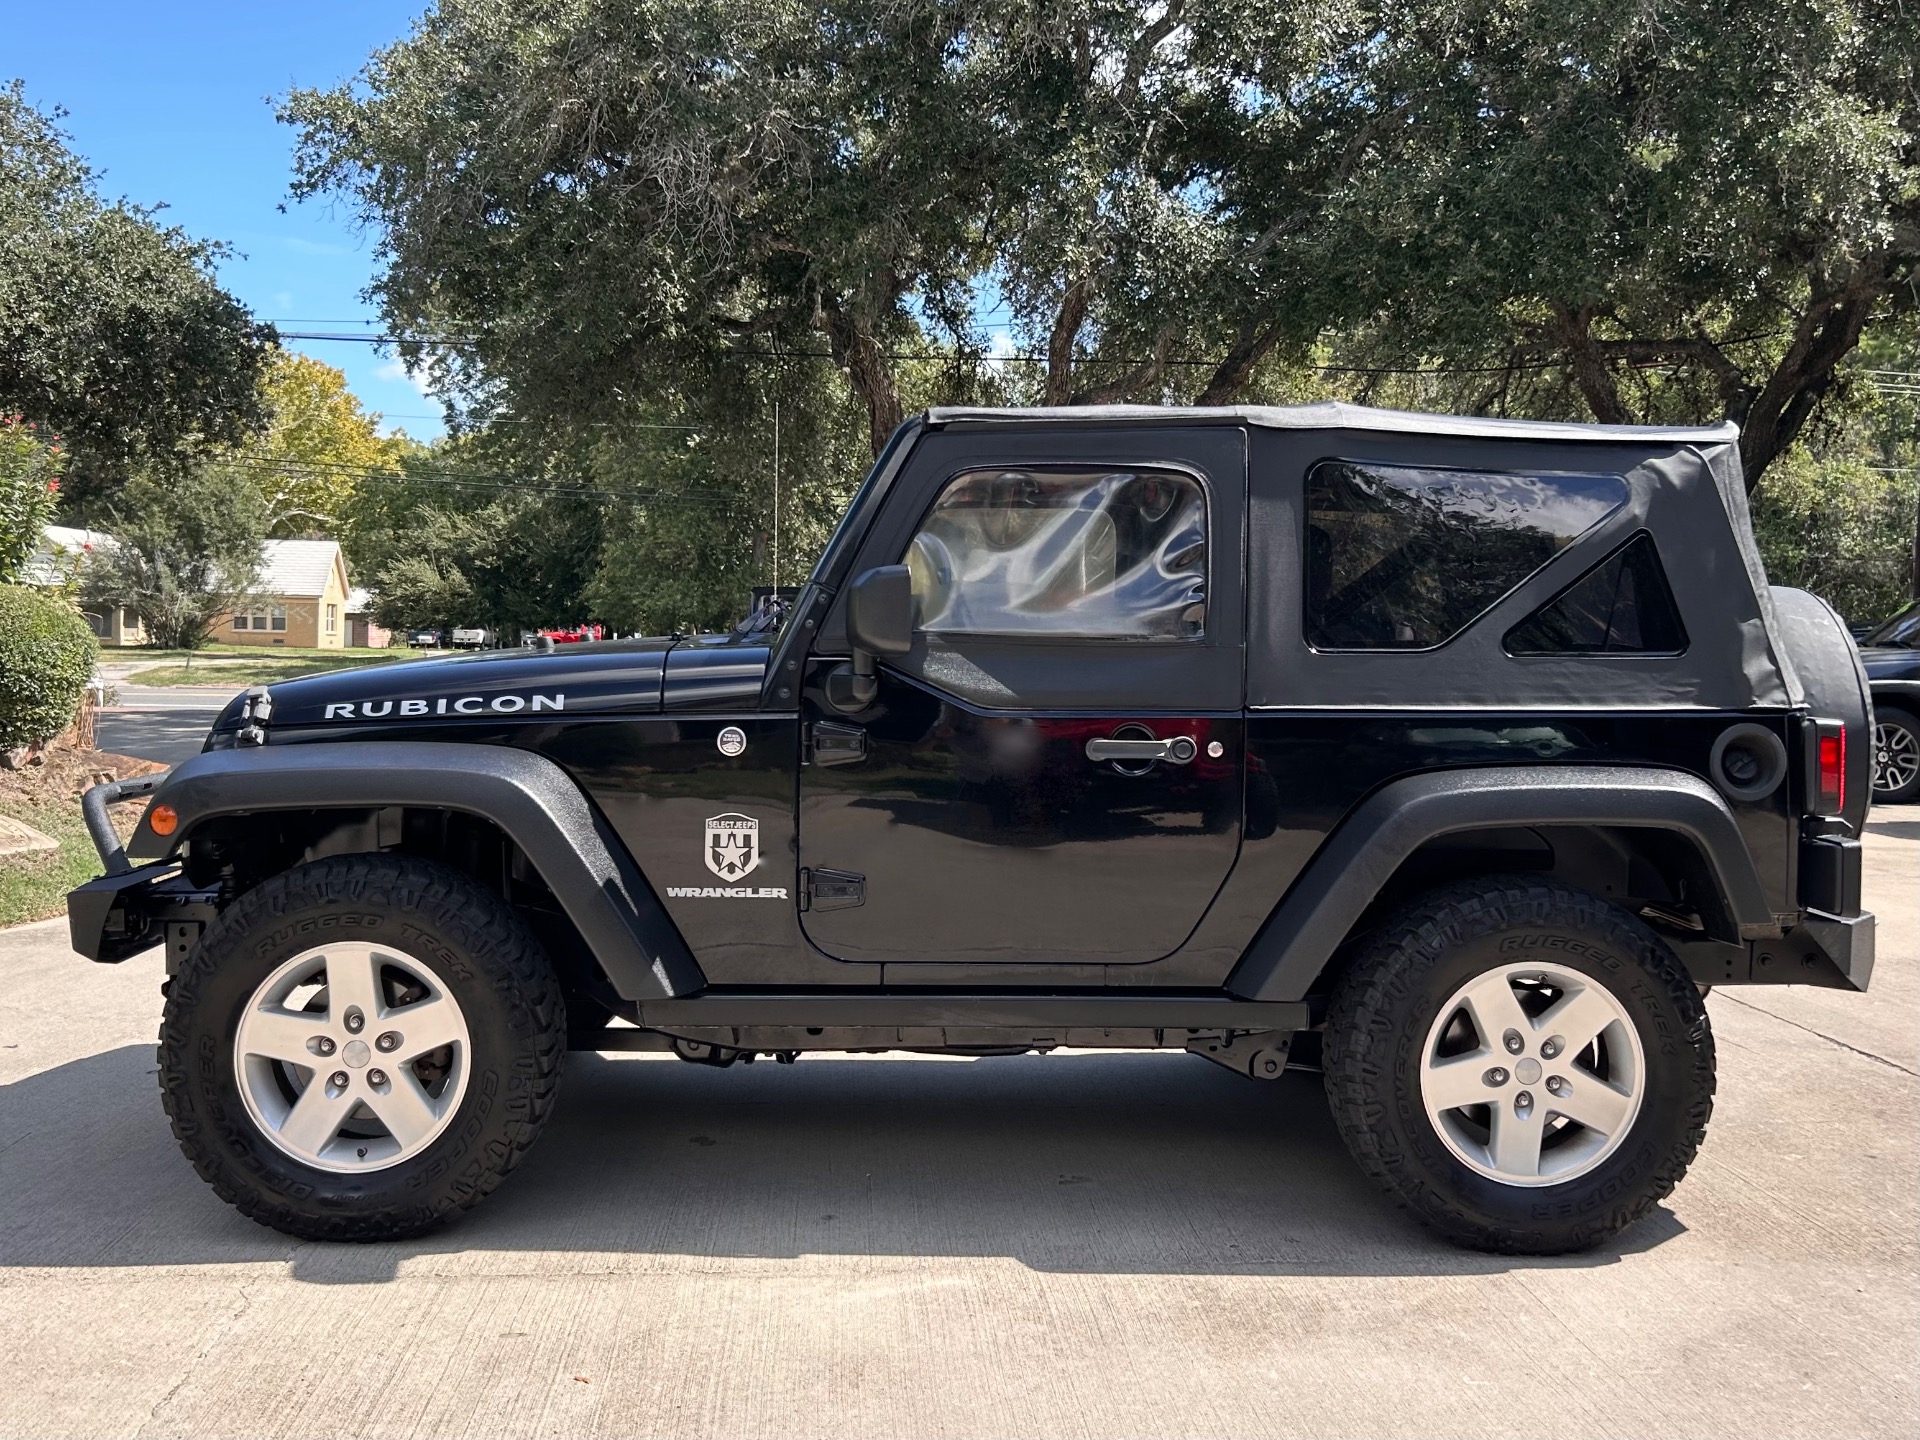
(531, 799)
(1322, 906)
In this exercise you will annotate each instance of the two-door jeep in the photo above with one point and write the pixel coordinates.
(1455, 758)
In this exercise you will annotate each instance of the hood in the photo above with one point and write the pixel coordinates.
(613, 675)
(610, 677)
(1885, 662)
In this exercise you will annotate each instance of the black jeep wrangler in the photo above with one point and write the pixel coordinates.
(1455, 758)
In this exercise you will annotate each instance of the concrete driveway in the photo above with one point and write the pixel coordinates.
(1077, 1244)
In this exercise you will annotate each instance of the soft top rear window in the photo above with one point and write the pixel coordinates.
(1405, 557)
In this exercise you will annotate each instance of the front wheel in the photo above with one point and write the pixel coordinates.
(1524, 1066)
(361, 1048)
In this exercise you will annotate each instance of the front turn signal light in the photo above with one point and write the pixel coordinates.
(164, 819)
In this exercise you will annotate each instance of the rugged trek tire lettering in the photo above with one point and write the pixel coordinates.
(482, 951)
(1385, 1003)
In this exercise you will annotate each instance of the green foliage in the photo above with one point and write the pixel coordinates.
(187, 549)
(641, 213)
(29, 489)
(113, 331)
(319, 447)
(1841, 528)
(47, 655)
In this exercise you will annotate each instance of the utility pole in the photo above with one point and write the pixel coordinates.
(776, 495)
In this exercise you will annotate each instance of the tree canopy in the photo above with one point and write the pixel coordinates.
(619, 232)
(113, 331)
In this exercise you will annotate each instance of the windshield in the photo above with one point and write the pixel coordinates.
(1902, 631)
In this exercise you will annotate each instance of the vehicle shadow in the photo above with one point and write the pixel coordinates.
(1094, 1163)
(1899, 829)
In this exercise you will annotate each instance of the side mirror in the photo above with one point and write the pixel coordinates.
(880, 611)
(879, 622)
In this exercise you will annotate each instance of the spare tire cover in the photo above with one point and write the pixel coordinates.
(1827, 662)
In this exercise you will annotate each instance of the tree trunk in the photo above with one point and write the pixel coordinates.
(1590, 370)
(1231, 376)
(1066, 329)
(1825, 334)
(857, 351)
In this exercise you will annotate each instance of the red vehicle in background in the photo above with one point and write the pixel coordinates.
(571, 635)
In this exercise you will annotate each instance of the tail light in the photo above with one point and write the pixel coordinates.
(1827, 775)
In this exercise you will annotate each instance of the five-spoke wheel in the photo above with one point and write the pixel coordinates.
(361, 1047)
(1524, 1065)
(352, 1057)
(1532, 1076)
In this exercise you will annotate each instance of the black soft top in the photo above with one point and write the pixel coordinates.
(1688, 490)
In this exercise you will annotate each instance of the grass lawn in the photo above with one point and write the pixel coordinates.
(47, 797)
(259, 669)
(34, 887)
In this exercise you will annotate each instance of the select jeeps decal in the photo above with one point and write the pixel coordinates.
(731, 849)
(443, 705)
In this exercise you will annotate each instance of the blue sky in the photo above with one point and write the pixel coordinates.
(173, 101)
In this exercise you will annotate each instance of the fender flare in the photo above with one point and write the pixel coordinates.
(1322, 906)
(532, 800)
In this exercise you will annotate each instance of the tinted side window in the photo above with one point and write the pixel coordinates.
(1064, 552)
(1403, 558)
(1623, 606)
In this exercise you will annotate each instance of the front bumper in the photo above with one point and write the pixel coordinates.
(119, 916)
(129, 910)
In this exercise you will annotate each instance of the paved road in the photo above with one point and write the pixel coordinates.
(1065, 1245)
(164, 723)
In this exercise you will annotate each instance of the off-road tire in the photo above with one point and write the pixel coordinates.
(1377, 1026)
(487, 958)
(1895, 719)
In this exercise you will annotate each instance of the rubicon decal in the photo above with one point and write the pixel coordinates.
(732, 848)
(443, 705)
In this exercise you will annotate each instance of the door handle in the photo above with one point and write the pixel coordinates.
(1176, 750)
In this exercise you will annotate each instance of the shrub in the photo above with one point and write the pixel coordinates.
(46, 658)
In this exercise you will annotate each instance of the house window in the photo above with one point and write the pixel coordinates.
(279, 614)
(243, 622)
(333, 620)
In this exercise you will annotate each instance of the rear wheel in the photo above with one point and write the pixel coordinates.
(1524, 1066)
(1896, 756)
(361, 1048)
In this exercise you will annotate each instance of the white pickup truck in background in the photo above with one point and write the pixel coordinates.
(476, 639)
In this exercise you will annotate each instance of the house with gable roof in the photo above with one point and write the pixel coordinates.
(300, 599)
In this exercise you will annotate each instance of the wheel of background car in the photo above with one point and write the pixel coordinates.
(390, 1038)
(1896, 757)
(1523, 1065)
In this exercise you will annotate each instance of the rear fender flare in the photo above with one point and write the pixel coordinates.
(531, 799)
(1322, 906)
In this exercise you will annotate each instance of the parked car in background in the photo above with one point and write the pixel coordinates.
(424, 639)
(1891, 653)
(567, 634)
(472, 638)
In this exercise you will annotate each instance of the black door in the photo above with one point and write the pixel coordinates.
(1053, 775)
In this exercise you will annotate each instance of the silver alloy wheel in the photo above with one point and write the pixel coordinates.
(1532, 1076)
(1896, 757)
(352, 1058)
